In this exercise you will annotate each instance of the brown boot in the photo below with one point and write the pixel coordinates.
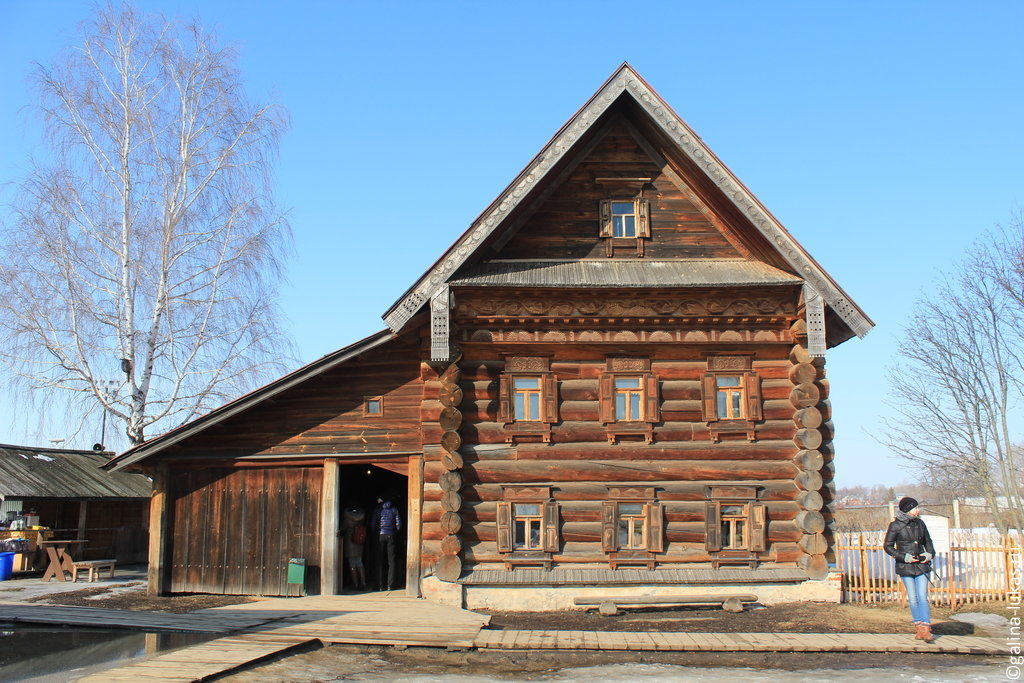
(928, 637)
(920, 631)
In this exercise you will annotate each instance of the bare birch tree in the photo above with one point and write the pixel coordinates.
(957, 389)
(138, 272)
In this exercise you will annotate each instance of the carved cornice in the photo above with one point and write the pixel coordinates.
(723, 304)
(627, 80)
(653, 335)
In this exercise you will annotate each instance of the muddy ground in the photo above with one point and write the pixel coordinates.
(119, 598)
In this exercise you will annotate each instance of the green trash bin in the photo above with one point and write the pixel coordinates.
(297, 570)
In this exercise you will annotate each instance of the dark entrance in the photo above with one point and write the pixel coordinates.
(362, 486)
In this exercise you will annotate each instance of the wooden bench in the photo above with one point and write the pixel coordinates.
(611, 605)
(94, 567)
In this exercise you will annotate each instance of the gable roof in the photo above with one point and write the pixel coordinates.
(625, 82)
(28, 472)
(323, 364)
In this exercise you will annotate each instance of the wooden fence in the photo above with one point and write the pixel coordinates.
(980, 566)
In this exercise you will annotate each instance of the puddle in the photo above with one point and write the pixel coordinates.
(47, 653)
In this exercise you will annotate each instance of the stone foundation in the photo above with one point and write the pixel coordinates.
(541, 598)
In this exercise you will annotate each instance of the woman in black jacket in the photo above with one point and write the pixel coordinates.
(907, 540)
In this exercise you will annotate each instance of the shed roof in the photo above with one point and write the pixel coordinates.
(28, 472)
(605, 273)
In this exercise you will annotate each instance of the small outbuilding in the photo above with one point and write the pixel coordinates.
(63, 493)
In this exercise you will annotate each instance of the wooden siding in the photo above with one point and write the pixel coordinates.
(565, 225)
(324, 415)
(233, 530)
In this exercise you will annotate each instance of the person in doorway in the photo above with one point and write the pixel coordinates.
(908, 542)
(387, 522)
(353, 527)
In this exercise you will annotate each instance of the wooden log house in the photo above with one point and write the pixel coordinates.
(614, 379)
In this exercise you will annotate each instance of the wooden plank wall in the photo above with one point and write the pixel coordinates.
(580, 463)
(565, 225)
(325, 414)
(234, 529)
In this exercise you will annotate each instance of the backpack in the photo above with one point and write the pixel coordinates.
(359, 534)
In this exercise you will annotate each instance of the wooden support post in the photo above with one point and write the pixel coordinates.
(83, 509)
(331, 559)
(159, 514)
(414, 536)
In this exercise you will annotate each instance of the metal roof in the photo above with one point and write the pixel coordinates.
(59, 473)
(638, 273)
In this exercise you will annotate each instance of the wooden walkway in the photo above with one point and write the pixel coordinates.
(195, 622)
(732, 642)
(200, 662)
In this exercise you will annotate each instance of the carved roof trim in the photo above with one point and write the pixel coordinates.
(626, 80)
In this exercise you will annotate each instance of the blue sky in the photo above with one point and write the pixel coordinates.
(885, 136)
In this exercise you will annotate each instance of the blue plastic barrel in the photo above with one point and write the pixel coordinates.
(6, 565)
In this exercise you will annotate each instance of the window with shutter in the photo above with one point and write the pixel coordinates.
(623, 222)
(629, 400)
(527, 398)
(632, 526)
(735, 525)
(527, 525)
(731, 397)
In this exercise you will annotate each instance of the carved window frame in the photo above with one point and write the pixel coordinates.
(517, 367)
(732, 365)
(650, 402)
(505, 526)
(654, 525)
(606, 231)
(756, 520)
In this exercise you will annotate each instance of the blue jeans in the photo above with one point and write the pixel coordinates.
(917, 596)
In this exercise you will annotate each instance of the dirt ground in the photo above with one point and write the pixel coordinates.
(103, 596)
(786, 618)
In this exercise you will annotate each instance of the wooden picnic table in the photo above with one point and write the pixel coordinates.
(61, 558)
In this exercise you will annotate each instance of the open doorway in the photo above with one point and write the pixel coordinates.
(360, 489)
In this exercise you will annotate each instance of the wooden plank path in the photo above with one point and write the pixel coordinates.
(732, 642)
(200, 662)
(97, 617)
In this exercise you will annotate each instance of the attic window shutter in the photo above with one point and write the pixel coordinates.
(609, 526)
(606, 218)
(710, 398)
(652, 411)
(712, 527)
(504, 524)
(551, 527)
(550, 394)
(655, 528)
(758, 526)
(505, 399)
(643, 221)
(607, 396)
(754, 403)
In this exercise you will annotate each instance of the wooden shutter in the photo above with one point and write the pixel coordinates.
(505, 413)
(606, 218)
(549, 395)
(652, 402)
(504, 524)
(712, 528)
(609, 526)
(655, 528)
(758, 527)
(607, 397)
(643, 220)
(753, 387)
(709, 389)
(551, 527)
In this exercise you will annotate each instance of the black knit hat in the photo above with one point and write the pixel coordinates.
(907, 504)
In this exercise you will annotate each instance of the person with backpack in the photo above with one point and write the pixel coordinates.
(908, 542)
(353, 527)
(387, 522)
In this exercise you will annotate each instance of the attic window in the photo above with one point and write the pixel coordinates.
(625, 219)
(373, 406)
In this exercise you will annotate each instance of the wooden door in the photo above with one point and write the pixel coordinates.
(233, 530)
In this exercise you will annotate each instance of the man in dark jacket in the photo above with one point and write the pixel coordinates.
(387, 522)
(907, 540)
